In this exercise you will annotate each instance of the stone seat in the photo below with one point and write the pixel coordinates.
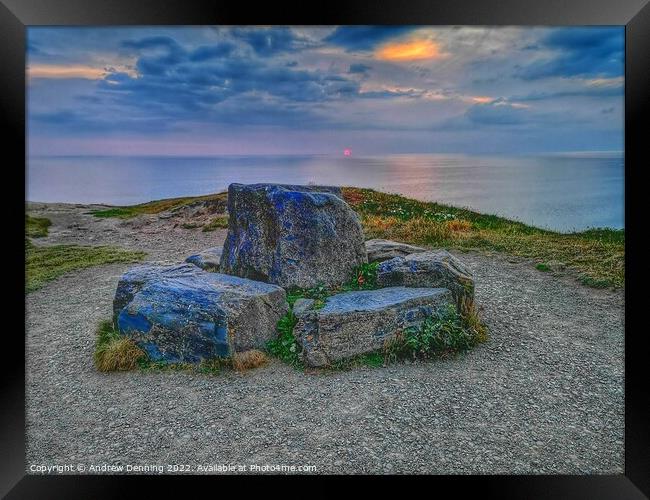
(358, 322)
(436, 268)
(184, 314)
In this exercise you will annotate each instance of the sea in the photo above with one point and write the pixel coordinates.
(564, 192)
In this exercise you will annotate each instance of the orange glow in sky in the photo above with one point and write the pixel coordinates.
(482, 99)
(409, 51)
(63, 71)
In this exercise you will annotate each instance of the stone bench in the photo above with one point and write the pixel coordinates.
(184, 314)
(358, 322)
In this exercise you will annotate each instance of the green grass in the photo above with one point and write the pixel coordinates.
(542, 267)
(46, 263)
(443, 334)
(36, 227)
(370, 360)
(285, 346)
(220, 222)
(157, 206)
(597, 256)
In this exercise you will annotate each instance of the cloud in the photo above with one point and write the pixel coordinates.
(359, 68)
(583, 91)
(496, 113)
(409, 50)
(358, 38)
(176, 84)
(586, 52)
(65, 71)
(271, 41)
(216, 51)
(166, 80)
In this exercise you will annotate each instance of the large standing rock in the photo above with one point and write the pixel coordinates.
(428, 269)
(380, 250)
(353, 323)
(207, 259)
(184, 314)
(298, 236)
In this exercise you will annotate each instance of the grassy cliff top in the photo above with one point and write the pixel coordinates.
(597, 255)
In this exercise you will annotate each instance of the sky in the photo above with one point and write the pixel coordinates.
(214, 90)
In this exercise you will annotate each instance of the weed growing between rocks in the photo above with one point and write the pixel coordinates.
(472, 321)
(285, 346)
(364, 278)
(442, 335)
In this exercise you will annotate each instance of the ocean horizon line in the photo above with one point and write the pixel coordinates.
(574, 154)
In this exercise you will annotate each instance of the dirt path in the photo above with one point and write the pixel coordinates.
(544, 395)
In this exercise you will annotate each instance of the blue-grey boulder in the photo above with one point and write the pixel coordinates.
(207, 260)
(380, 250)
(293, 236)
(184, 314)
(428, 269)
(358, 322)
(132, 281)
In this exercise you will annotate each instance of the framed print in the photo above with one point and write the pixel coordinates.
(358, 242)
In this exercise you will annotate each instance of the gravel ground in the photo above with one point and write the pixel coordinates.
(544, 395)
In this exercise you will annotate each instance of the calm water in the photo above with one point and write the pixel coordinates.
(558, 192)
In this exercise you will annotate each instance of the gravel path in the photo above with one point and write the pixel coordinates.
(544, 395)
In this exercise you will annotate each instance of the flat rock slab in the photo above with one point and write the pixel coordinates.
(293, 236)
(380, 250)
(428, 269)
(184, 314)
(207, 260)
(353, 323)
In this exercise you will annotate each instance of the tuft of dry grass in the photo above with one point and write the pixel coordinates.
(247, 360)
(415, 230)
(114, 352)
(375, 225)
(458, 225)
(472, 320)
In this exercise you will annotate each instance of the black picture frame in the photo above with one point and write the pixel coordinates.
(16, 15)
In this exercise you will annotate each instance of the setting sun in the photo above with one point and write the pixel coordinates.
(409, 51)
